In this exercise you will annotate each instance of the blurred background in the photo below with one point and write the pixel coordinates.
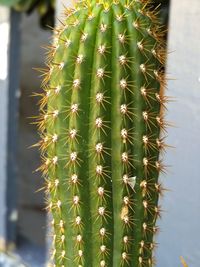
(23, 220)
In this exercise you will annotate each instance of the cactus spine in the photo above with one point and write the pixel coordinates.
(102, 131)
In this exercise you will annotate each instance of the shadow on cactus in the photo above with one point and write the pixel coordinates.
(102, 132)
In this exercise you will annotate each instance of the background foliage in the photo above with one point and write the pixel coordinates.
(45, 9)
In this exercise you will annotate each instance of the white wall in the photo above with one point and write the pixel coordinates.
(181, 223)
(4, 33)
(60, 4)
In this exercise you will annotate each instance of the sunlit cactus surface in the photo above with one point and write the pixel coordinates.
(102, 133)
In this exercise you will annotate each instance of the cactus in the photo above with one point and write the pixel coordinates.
(102, 132)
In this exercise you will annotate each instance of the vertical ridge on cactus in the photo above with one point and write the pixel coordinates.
(102, 131)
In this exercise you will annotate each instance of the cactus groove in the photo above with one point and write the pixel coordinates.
(102, 130)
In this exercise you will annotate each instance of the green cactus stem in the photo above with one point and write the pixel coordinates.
(102, 129)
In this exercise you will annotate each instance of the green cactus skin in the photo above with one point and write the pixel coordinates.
(102, 129)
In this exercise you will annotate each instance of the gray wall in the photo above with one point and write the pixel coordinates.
(180, 224)
(31, 203)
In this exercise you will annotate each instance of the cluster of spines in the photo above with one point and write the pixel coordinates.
(148, 167)
(137, 169)
(56, 160)
(99, 144)
(127, 113)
